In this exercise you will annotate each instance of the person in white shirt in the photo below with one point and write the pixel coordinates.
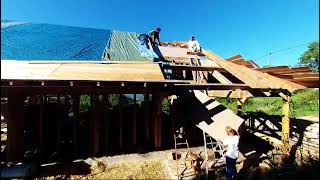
(193, 45)
(232, 154)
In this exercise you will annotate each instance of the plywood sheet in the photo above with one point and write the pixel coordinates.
(176, 52)
(24, 70)
(101, 72)
(216, 129)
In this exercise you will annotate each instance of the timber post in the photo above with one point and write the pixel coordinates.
(15, 136)
(286, 122)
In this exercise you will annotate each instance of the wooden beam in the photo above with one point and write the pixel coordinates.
(286, 123)
(15, 124)
(303, 75)
(273, 69)
(134, 126)
(252, 78)
(222, 79)
(41, 124)
(234, 57)
(75, 127)
(195, 68)
(212, 86)
(254, 64)
(106, 122)
(96, 125)
(59, 118)
(146, 117)
(156, 110)
(195, 53)
(120, 123)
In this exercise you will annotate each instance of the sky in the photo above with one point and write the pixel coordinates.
(251, 28)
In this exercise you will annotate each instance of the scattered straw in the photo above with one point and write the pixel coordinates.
(130, 170)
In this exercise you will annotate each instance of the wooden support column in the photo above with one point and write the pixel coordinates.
(41, 124)
(59, 123)
(239, 107)
(286, 122)
(106, 122)
(146, 116)
(120, 124)
(134, 125)
(15, 136)
(156, 110)
(96, 125)
(75, 109)
(173, 114)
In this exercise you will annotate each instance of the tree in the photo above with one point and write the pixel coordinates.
(311, 56)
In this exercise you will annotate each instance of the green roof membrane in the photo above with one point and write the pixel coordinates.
(129, 46)
(123, 46)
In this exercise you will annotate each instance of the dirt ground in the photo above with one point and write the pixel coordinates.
(258, 160)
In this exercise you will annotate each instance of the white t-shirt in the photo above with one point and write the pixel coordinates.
(194, 44)
(232, 146)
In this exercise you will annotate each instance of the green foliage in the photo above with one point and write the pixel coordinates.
(268, 105)
(165, 105)
(84, 103)
(303, 103)
(311, 56)
(229, 103)
(114, 99)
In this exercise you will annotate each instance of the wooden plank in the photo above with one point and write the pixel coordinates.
(273, 69)
(15, 124)
(234, 57)
(252, 78)
(254, 64)
(212, 86)
(309, 84)
(291, 71)
(238, 61)
(229, 93)
(304, 79)
(81, 71)
(220, 77)
(303, 75)
(196, 68)
(195, 53)
(216, 128)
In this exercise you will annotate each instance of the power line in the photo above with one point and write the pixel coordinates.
(277, 51)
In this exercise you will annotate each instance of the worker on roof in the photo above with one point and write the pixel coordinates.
(154, 37)
(193, 45)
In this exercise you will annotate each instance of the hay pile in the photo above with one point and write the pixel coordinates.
(127, 170)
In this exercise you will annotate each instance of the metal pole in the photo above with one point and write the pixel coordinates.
(270, 60)
(206, 153)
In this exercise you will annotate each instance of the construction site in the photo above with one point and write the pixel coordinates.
(81, 112)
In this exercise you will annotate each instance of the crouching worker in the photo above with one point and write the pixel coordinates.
(154, 37)
(193, 45)
(232, 154)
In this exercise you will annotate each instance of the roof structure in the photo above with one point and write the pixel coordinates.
(124, 56)
(301, 75)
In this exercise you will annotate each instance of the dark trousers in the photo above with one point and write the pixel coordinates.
(231, 170)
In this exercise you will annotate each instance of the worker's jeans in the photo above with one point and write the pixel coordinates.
(231, 167)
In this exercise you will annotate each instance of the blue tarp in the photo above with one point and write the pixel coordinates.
(31, 41)
(144, 49)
